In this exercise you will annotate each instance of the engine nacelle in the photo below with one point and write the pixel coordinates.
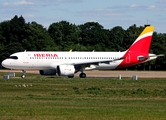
(65, 70)
(47, 72)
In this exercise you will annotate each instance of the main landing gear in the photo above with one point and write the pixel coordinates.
(82, 75)
(23, 73)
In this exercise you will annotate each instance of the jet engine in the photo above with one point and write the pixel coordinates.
(47, 72)
(66, 70)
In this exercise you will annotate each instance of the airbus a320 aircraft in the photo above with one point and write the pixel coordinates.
(68, 63)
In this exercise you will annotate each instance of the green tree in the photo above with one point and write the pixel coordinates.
(37, 38)
(11, 34)
(131, 35)
(93, 34)
(117, 35)
(5, 31)
(161, 61)
(64, 34)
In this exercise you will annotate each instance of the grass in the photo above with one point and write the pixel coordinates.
(52, 97)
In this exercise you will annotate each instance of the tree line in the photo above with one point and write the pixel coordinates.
(16, 35)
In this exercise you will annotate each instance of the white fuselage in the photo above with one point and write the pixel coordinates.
(50, 60)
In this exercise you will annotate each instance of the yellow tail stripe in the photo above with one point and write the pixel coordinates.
(147, 30)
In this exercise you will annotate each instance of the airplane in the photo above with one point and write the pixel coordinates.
(68, 63)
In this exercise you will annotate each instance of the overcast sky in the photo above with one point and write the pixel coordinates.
(109, 13)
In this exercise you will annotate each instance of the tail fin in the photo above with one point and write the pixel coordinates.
(142, 43)
(139, 48)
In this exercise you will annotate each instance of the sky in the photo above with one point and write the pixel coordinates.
(108, 13)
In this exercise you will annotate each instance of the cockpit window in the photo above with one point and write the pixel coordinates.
(13, 57)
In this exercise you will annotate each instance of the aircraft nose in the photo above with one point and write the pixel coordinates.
(4, 63)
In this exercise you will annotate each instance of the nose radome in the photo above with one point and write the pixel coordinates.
(4, 63)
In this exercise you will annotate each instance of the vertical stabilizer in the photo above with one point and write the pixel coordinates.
(139, 48)
(142, 43)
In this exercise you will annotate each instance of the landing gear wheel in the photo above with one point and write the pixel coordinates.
(23, 76)
(82, 75)
(70, 76)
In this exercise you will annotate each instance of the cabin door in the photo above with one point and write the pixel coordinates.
(25, 58)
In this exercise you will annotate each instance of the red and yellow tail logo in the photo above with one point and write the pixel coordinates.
(139, 48)
(142, 43)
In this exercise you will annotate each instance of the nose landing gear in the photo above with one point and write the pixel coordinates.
(23, 73)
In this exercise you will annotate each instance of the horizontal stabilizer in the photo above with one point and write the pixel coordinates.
(153, 56)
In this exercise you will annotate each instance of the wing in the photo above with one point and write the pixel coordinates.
(93, 62)
(83, 64)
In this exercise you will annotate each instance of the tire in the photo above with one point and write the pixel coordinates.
(23, 76)
(70, 76)
(82, 75)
